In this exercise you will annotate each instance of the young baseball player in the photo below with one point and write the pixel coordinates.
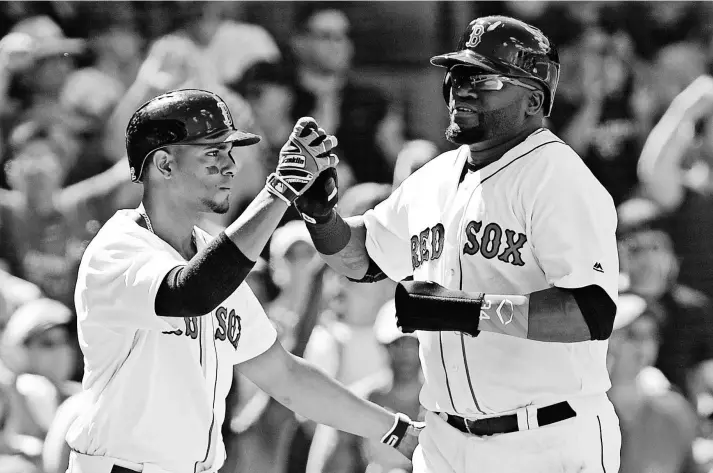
(506, 253)
(163, 315)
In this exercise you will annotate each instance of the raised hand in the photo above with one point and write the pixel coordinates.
(305, 155)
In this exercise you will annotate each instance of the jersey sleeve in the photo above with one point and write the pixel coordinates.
(572, 222)
(257, 333)
(118, 281)
(387, 237)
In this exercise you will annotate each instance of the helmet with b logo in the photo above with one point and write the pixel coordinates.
(186, 116)
(508, 47)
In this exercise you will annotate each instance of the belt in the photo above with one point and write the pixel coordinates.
(509, 423)
(121, 469)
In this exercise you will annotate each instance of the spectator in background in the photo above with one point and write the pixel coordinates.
(369, 130)
(36, 88)
(36, 348)
(600, 124)
(344, 345)
(117, 52)
(658, 425)
(676, 172)
(396, 388)
(44, 228)
(412, 156)
(87, 99)
(685, 331)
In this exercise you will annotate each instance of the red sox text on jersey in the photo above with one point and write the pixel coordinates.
(486, 239)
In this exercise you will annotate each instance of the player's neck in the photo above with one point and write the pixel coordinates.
(172, 222)
(486, 152)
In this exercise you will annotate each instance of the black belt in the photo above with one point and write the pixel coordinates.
(508, 423)
(121, 469)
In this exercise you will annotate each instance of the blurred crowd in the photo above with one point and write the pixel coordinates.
(635, 101)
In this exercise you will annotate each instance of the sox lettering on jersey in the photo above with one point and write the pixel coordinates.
(491, 239)
(229, 326)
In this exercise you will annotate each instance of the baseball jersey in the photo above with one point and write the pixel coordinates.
(533, 219)
(156, 386)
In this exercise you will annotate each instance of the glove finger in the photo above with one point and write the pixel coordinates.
(303, 126)
(324, 149)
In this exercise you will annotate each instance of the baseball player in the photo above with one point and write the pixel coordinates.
(506, 253)
(163, 315)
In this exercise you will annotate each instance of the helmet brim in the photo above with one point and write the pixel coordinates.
(237, 137)
(466, 58)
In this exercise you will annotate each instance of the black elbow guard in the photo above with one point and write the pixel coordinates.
(373, 274)
(598, 310)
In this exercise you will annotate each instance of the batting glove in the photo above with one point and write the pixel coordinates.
(306, 154)
(317, 203)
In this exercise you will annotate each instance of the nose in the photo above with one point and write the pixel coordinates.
(230, 168)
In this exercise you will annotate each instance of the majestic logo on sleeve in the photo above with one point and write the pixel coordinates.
(491, 240)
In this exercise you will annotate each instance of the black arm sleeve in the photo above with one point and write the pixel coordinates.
(598, 310)
(207, 280)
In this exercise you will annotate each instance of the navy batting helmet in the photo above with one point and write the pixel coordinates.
(509, 47)
(186, 116)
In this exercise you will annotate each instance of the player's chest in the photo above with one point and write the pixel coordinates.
(478, 223)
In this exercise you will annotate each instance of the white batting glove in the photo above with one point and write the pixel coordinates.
(306, 154)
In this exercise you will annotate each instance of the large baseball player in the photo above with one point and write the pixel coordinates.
(507, 255)
(162, 312)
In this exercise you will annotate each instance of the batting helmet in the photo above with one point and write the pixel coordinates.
(509, 47)
(187, 117)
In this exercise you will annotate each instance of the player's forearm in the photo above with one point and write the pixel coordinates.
(216, 271)
(310, 393)
(551, 315)
(349, 257)
(251, 231)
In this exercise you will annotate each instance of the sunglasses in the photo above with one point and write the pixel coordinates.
(483, 82)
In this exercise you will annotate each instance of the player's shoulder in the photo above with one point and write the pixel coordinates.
(120, 231)
(544, 148)
(441, 165)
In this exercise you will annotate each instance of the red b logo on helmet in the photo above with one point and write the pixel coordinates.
(475, 35)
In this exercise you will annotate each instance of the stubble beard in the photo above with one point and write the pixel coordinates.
(217, 207)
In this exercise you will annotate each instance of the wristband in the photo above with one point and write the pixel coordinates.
(396, 433)
(332, 236)
(280, 188)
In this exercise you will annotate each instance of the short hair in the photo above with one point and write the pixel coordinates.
(261, 73)
(310, 9)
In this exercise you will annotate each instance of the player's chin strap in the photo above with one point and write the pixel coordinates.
(396, 433)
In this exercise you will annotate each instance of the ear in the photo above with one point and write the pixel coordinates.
(164, 162)
(535, 102)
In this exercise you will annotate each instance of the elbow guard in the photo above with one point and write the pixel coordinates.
(598, 310)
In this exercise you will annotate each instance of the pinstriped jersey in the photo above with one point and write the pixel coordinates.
(533, 219)
(155, 386)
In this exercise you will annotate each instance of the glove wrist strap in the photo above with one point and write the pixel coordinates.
(396, 433)
(280, 188)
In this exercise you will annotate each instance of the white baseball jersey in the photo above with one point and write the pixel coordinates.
(533, 219)
(156, 386)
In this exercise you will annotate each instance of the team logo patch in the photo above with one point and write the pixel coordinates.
(475, 36)
(226, 114)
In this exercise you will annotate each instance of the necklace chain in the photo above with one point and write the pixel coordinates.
(142, 211)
